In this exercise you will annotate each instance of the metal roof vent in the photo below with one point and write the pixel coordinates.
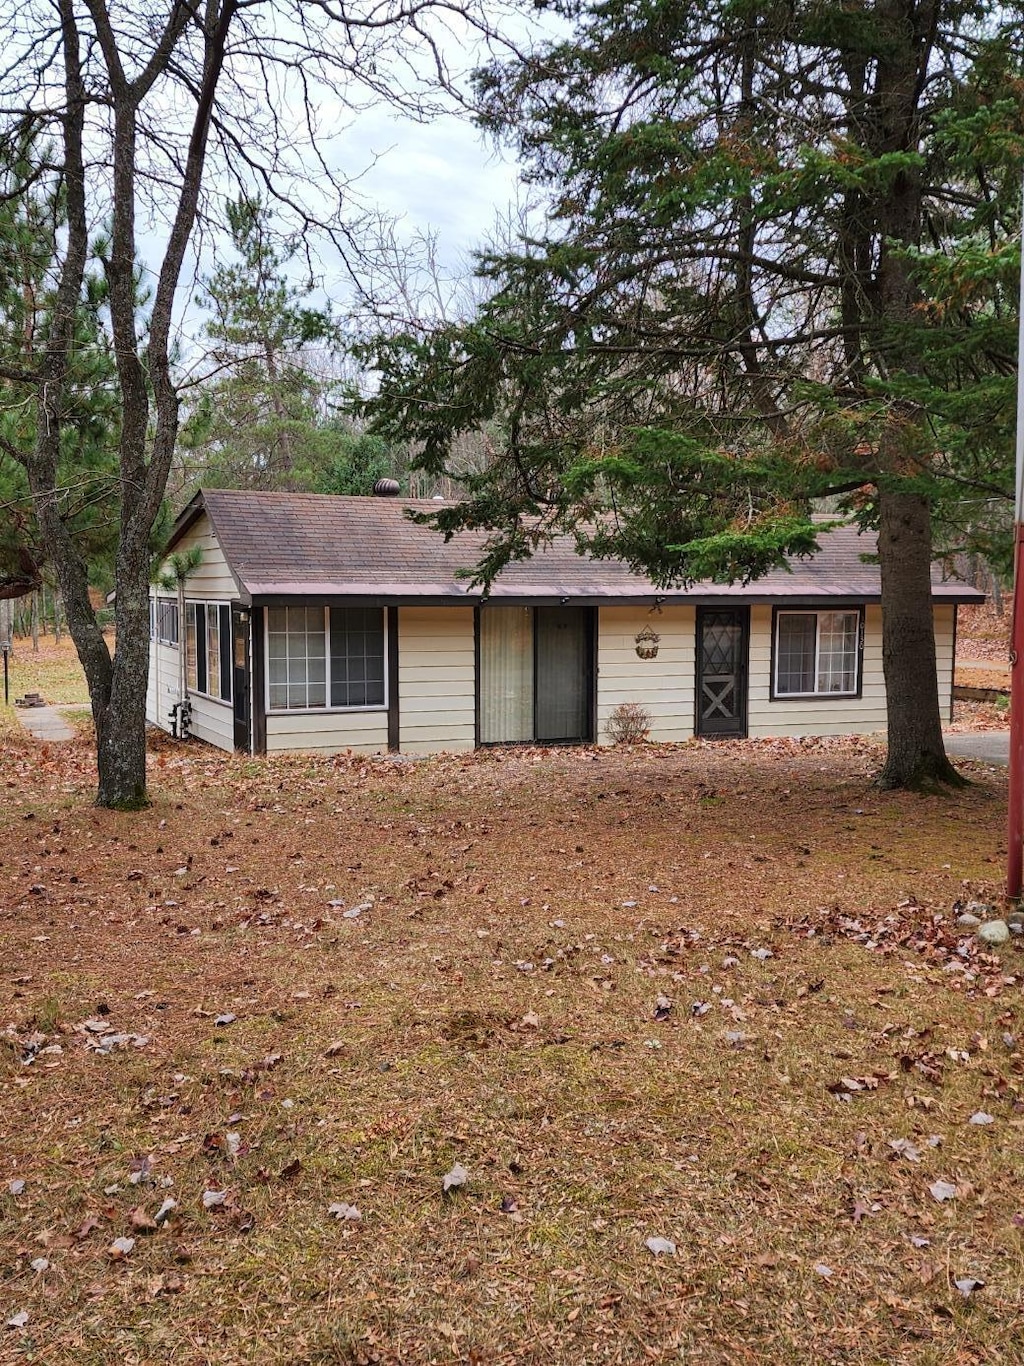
(386, 488)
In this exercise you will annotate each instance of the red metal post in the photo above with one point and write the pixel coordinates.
(1015, 820)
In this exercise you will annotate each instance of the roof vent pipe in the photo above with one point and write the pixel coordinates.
(386, 488)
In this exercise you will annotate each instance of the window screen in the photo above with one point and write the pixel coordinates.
(357, 657)
(296, 658)
(817, 653)
(795, 652)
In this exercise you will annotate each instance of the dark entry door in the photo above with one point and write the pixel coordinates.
(241, 689)
(722, 670)
(562, 647)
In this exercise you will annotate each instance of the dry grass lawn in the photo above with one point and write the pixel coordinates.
(710, 994)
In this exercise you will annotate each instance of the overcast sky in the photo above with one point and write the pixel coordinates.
(438, 179)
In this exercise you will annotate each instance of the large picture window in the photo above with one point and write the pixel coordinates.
(208, 649)
(817, 654)
(325, 657)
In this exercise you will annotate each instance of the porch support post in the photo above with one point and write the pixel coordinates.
(394, 716)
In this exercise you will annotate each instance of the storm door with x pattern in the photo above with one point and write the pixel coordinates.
(722, 634)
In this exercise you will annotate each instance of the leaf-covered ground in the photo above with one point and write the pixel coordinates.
(712, 995)
(982, 633)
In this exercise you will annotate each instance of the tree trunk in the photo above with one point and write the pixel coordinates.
(121, 734)
(997, 593)
(916, 757)
(35, 622)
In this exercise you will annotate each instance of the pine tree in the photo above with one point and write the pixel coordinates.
(779, 265)
(30, 223)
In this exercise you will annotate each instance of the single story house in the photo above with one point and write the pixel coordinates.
(324, 623)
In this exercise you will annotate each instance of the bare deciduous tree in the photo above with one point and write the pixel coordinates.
(148, 116)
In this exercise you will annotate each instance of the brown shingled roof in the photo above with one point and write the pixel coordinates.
(282, 544)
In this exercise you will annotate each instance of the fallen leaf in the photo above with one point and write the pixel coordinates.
(458, 1176)
(823, 1269)
(16, 1187)
(120, 1248)
(341, 1210)
(291, 1170)
(18, 1320)
(660, 1245)
(980, 1117)
(967, 1285)
(165, 1211)
(141, 1222)
(942, 1190)
(165, 1285)
(214, 1199)
(139, 1168)
(226, 1019)
(905, 1148)
(39, 1264)
(531, 1020)
(662, 1008)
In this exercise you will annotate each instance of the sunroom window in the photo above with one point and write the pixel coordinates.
(208, 648)
(320, 657)
(817, 654)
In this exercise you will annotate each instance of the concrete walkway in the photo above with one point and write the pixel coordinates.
(988, 746)
(45, 723)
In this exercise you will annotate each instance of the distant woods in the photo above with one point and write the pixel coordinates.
(32, 617)
(271, 406)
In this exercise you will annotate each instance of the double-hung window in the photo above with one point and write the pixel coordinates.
(208, 649)
(817, 654)
(325, 657)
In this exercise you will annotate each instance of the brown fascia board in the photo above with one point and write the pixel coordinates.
(186, 518)
(440, 595)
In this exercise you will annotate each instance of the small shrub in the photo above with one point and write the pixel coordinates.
(628, 724)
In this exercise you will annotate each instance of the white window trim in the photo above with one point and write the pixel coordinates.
(157, 637)
(817, 613)
(198, 692)
(325, 710)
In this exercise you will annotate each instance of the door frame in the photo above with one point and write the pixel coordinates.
(742, 615)
(241, 632)
(589, 680)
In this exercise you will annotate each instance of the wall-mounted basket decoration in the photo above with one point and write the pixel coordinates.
(647, 642)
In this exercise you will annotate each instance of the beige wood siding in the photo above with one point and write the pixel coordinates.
(945, 644)
(163, 689)
(363, 732)
(436, 679)
(212, 721)
(811, 715)
(664, 686)
(212, 579)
